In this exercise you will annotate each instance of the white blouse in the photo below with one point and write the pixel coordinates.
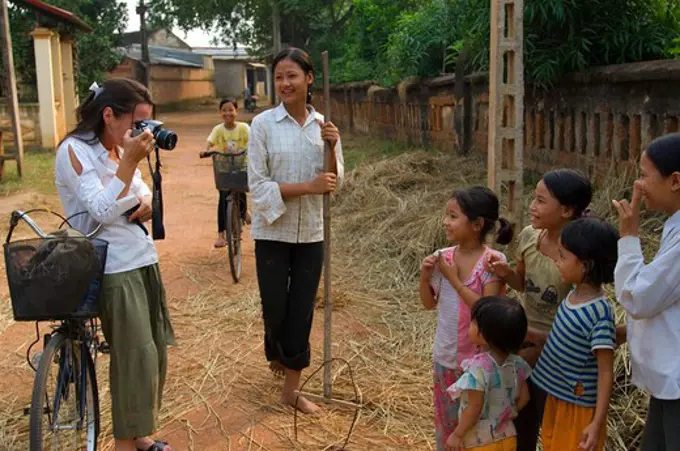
(650, 294)
(96, 191)
(282, 151)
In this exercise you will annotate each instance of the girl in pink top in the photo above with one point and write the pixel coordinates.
(453, 280)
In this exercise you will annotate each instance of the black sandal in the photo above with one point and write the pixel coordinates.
(157, 446)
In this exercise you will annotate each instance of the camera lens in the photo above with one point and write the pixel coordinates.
(166, 139)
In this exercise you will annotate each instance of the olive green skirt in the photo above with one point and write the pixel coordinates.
(136, 325)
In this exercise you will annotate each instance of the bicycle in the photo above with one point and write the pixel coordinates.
(64, 412)
(229, 177)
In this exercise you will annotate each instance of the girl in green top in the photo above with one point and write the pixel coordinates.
(230, 136)
(560, 197)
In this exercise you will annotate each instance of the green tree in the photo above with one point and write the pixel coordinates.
(304, 23)
(95, 53)
(360, 51)
(569, 35)
(387, 40)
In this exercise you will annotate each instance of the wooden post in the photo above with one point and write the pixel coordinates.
(328, 303)
(146, 60)
(506, 103)
(12, 96)
(276, 43)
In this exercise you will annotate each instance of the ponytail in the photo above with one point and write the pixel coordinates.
(505, 231)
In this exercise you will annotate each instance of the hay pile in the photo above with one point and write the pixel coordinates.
(388, 217)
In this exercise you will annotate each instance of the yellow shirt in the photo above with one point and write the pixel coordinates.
(544, 289)
(235, 139)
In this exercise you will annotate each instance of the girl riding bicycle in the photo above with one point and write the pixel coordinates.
(230, 136)
(96, 172)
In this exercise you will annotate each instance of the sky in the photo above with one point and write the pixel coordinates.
(195, 38)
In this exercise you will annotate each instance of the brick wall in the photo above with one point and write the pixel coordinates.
(29, 116)
(590, 120)
(171, 84)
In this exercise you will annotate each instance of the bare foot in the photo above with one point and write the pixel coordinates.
(221, 240)
(277, 368)
(302, 404)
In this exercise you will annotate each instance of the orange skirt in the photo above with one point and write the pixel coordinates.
(563, 425)
(509, 444)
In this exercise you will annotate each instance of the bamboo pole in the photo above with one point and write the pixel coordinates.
(328, 305)
(12, 96)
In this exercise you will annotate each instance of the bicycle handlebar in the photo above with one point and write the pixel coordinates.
(20, 215)
(210, 153)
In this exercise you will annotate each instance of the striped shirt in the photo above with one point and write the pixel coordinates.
(567, 368)
(282, 151)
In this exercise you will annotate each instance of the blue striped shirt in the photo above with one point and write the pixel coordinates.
(567, 368)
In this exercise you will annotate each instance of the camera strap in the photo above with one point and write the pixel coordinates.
(157, 228)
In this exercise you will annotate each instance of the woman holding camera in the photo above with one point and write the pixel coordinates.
(96, 172)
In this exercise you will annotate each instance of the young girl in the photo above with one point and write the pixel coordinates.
(577, 363)
(493, 387)
(452, 280)
(560, 197)
(287, 182)
(651, 293)
(231, 137)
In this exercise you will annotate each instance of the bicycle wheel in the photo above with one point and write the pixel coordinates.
(64, 408)
(234, 236)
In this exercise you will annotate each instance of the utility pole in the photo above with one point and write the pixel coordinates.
(146, 61)
(12, 96)
(506, 104)
(276, 44)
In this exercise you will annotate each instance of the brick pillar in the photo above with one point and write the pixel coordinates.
(70, 96)
(46, 96)
(58, 80)
(506, 104)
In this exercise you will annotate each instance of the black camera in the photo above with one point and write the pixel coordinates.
(165, 139)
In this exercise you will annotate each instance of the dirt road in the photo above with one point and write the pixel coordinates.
(219, 393)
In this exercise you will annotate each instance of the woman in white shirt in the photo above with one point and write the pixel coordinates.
(650, 293)
(286, 178)
(96, 172)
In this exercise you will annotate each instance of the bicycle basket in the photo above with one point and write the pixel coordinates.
(228, 175)
(55, 278)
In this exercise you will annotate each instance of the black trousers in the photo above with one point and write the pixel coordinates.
(662, 428)
(288, 276)
(529, 419)
(222, 208)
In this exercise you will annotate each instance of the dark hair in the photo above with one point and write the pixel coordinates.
(570, 188)
(299, 57)
(229, 100)
(664, 152)
(480, 202)
(501, 321)
(595, 243)
(122, 95)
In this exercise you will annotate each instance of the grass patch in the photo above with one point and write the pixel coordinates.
(38, 174)
(359, 150)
